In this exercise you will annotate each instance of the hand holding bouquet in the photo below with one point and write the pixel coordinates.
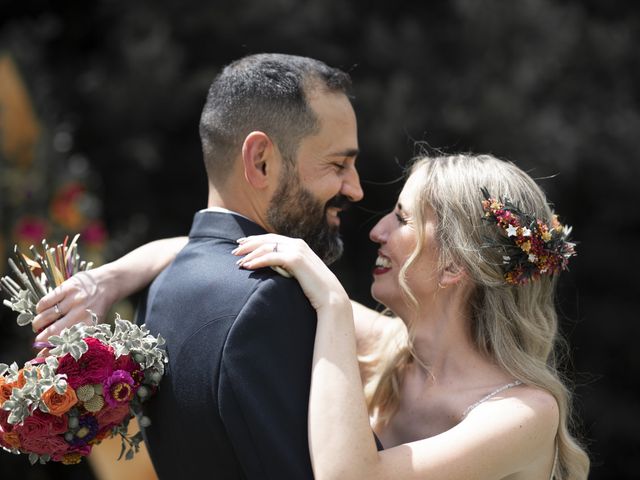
(89, 386)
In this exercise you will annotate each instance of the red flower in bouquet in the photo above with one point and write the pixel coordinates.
(94, 366)
(128, 364)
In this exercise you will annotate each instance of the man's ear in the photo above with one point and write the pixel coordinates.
(258, 159)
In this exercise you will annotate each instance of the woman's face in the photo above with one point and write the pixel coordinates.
(396, 233)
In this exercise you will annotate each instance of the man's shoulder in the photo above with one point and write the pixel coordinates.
(275, 293)
(205, 279)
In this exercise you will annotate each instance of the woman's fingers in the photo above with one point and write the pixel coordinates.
(51, 298)
(260, 251)
(51, 314)
(76, 315)
(294, 255)
(67, 304)
(269, 240)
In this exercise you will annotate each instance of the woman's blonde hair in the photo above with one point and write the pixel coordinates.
(516, 326)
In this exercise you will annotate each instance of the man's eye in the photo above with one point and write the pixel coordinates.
(339, 166)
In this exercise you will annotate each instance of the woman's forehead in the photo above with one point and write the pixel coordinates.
(410, 191)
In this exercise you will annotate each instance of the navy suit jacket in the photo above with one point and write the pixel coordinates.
(233, 402)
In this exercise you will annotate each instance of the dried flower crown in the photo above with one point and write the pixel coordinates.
(533, 248)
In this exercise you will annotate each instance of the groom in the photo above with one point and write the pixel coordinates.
(279, 139)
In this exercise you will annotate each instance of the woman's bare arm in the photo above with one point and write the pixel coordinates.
(99, 288)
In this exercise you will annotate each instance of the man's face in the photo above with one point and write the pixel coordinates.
(323, 180)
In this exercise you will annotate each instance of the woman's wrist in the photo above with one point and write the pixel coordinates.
(337, 304)
(109, 282)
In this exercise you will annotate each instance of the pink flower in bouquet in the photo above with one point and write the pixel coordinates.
(94, 365)
(34, 426)
(118, 388)
(49, 445)
(40, 424)
(41, 433)
(111, 417)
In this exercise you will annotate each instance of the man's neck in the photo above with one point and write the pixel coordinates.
(234, 203)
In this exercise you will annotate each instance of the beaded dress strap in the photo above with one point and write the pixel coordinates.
(492, 394)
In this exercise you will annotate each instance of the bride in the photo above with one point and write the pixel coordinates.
(459, 379)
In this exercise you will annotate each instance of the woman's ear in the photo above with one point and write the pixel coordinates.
(258, 157)
(451, 275)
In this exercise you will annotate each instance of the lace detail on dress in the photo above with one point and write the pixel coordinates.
(492, 394)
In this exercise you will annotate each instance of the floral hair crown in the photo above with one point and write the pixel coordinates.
(533, 247)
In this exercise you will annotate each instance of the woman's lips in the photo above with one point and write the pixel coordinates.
(383, 265)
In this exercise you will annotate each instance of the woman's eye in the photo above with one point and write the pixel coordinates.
(401, 219)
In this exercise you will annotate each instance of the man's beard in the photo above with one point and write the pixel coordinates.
(295, 212)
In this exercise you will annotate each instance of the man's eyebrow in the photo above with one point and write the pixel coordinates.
(350, 152)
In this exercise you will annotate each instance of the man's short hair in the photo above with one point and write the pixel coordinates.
(263, 92)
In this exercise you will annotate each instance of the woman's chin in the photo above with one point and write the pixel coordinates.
(379, 296)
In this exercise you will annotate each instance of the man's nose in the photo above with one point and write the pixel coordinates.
(351, 187)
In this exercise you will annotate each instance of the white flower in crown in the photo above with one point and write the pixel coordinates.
(512, 231)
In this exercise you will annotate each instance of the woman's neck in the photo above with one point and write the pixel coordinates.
(441, 337)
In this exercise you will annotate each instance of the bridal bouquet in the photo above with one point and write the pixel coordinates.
(90, 384)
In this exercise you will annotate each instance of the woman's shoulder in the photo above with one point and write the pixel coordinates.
(538, 401)
(524, 407)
